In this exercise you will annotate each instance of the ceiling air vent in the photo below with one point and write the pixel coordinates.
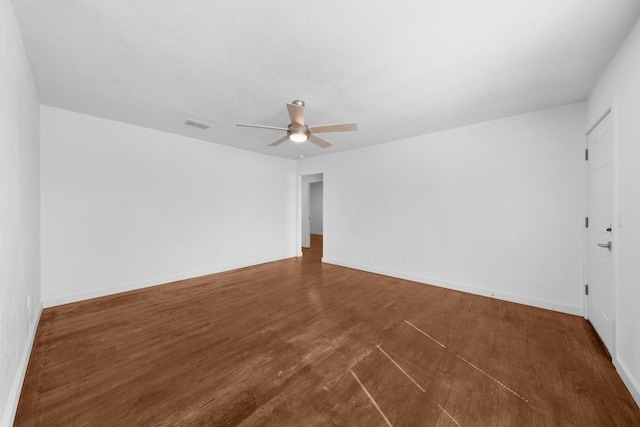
(197, 124)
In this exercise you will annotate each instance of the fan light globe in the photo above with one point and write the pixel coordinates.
(298, 136)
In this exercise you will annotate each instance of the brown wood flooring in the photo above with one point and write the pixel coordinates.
(301, 343)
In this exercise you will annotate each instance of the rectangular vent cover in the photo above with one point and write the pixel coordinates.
(197, 124)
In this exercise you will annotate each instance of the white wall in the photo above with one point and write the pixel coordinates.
(316, 207)
(494, 208)
(125, 207)
(619, 88)
(19, 213)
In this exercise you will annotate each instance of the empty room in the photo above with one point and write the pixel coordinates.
(297, 213)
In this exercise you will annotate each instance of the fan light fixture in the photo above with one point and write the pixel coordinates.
(298, 132)
(298, 136)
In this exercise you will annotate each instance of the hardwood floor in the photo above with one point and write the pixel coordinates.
(301, 343)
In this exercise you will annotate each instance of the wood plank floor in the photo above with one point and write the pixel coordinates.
(301, 343)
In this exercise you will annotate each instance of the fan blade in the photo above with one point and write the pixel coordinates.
(296, 113)
(261, 127)
(341, 127)
(319, 141)
(280, 141)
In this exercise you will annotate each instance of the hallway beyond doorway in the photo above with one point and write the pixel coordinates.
(314, 252)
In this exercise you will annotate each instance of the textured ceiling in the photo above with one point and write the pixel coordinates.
(398, 69)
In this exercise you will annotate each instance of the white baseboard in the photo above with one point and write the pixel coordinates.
(16, 385)
(534, 302)
(632, 384)
(96, 293)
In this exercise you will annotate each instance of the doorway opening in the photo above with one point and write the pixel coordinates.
(311, 215)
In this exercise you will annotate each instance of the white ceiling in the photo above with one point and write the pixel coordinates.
(398, 69)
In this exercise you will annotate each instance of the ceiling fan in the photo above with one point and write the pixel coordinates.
(298, 131)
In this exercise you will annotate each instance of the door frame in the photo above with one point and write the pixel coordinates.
(617, 219)
(303, 184)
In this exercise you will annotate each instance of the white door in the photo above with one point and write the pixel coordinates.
(600, 244)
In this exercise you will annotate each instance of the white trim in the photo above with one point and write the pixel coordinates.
(601, 118)
(615, 127)
(632, 384)
(298, 233)
(585, 233)
(534, 302)
(96, 293)
(304, 179)
(16, 385)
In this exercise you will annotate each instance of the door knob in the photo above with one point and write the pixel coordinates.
(605, 245)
